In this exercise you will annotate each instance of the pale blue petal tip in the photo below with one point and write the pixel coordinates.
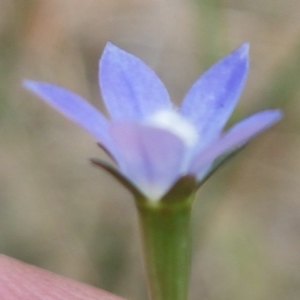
(34, 86)
(109, 47)
(279, 113)
(274, 115)
(28, 83)
(243, 50)
(245, 47)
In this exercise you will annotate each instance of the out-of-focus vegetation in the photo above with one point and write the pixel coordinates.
(60, 213)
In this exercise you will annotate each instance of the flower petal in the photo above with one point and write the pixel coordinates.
(130, 89)
(75, 108)
(118, 176)
(150, 157)
(236, 137)
(212, 98)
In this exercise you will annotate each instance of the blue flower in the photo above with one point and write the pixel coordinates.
(153, 142)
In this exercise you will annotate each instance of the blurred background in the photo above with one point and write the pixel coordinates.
(62, 214)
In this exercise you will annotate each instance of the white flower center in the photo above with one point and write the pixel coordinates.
(175, 123)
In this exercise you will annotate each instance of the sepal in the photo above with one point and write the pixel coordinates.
(183, 190)
(219, 163)
(118, 176)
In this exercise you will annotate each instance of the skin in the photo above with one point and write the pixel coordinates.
(20, 281)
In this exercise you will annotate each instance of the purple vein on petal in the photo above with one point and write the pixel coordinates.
(237, 136)
(150, 157)
(211, 100)
(75, 108)
(130, 89)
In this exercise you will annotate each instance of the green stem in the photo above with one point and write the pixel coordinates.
(165, 228)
